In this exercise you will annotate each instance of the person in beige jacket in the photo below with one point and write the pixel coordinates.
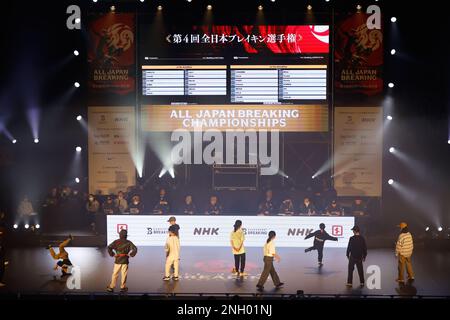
(403, 251)
(172, 249)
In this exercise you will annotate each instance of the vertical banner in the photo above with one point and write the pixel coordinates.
(112, 54)
(358, 54)
(358, 149)
(111, 145)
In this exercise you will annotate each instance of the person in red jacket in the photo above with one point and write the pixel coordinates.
(320, 236)
(121, 250)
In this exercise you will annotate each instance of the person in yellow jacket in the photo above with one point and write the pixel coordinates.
(62, 256)
(403, 251)
(237, 239)
(172, 249)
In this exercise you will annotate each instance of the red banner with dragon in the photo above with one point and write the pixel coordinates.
(358, 56)
(112, 54)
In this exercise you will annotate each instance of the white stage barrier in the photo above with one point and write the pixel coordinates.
(215, 231)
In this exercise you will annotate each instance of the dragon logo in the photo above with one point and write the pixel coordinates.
(112, 43)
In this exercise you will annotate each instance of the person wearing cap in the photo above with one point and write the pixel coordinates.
(237, 239)
(356, 255)
(121, 249)
(172, 249)
(403, 251)
(320, 236)
(173, 224)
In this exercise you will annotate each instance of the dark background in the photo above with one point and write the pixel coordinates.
(38, 68)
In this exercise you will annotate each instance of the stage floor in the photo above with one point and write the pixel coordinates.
(207, 270)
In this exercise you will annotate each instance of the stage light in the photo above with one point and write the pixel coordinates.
(15, 226)
(172, 173)
(272, 0)
(327, 0)
(76, 52)
(313, 177)
(79, 118)
(189, 1)
(393, 19)
(163, 172)
(389, 117)
(448, 141)
(94, 0)
(440, 229)
(113, 8)
(77, 20)
(390, 181)
(309, 7)
(76, 84)
(159, 8)
(27, 226)
(78, 149)
(393, 51)
(391, 149)
(14, 141)
(77, 180)
(427, 229)
(209, 7)
(260, 7)
(358, 7)
(37, 226)
(36, 140)
(141, 0)
(390, 84)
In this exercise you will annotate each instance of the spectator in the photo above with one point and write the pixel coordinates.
(287, 207)
(52, 198)
(334, 209)
(162, 206)
(26, 212)
(92, 208)
(108, 206)
(121, 203)
(189, 206)
(358, 208)
(267, 207)
(214, 207)
(307, 208)
(136, 207)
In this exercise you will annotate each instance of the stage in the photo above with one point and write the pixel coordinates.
(207, 271)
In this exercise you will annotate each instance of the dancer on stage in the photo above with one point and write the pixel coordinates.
(121, 249)
(320, 236)
(237, 239)
(356, 254)
(172, 249)
(269, 255)
(63, 257)
(403, 250)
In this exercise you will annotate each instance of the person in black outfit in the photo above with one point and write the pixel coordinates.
(189, 206)
(267, 207)
(356, 254)
(320, 236)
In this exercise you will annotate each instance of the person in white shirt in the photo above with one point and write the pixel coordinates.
(237, 239)
(172, 254)
(403, 251)
(269, 255)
